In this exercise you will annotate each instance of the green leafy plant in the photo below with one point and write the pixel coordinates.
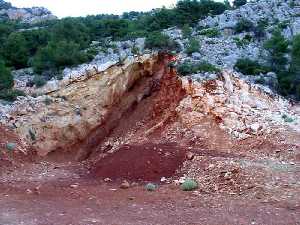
(39, 81)
(239, 3)
(250, 67)
(186, 31)
(150, 187)
(189, 185)
(11, 94)
(243, 25)
(11, 146)
(210, 32)
(277, 47)
(159, 41)
(193, 46)
(6, 79)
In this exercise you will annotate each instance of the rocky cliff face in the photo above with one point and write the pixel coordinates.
(83, 111)
(224, 49)
(86, 106)
(25, 15)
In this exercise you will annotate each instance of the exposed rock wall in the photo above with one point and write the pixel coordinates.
(74, 113)
(26, 15)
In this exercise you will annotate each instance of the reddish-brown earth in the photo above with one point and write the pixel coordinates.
(147, 162)
(253, 181)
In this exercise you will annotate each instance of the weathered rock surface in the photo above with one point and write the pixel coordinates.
(26, 15)
(242, 109)
(67, 115)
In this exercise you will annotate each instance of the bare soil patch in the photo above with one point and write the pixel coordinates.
(147, 162)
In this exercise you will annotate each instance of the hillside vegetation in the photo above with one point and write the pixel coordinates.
(50, 46)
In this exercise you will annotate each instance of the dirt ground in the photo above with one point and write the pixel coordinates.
(253, 181)
(262, 187)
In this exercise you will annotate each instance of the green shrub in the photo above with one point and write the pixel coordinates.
(186, 31)
(242, 42)
(48, 101)
(287, 118)
(159, 41)
(188, 68)
(206, 67)
(210, 32)
(260, 29)
(189, 185)
(292, 78)
(57, 55)
(6, 79)
(193, 46)
(10, 146)
(39, 81)
(277, 47)
(10, 94)
(283, 25)
(15, 52)
(150, 187)
(239, 3)
(250, 67)
(243, 25)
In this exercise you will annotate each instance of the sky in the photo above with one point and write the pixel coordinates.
(64, 8)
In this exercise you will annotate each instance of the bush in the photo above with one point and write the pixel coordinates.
(187, 68)
(250, 67)
(277, 47)
(150, 187)
(159, 41)
(39, 81)
(242, 42)
(10, 146)
(57, 55)
(10, 95)
(189, 185)
(290, 83)
(260, 29)
(186, 31)
(16, 53)
(210, 32)
(243, 25)
(6, 79)
(239, 3)
(193, 46)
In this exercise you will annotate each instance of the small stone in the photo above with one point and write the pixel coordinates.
(190, 156)
(125, 185)
(163, 179)
(107, 180)
(134, 184)
(74, 185)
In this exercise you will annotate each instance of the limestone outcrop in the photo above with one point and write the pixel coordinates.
(66, 116)
(25, 15)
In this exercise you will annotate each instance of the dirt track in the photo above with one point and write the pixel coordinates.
(62, 193)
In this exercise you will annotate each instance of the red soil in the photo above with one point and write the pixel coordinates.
(147, 162)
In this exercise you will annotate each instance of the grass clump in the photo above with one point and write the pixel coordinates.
(210, 32)
(188, 68)
(250, 67)
(11, 95)
(244, 25)
(287, 118)
(193, 46)
(150, 187)
(10, 146)
(189, 185)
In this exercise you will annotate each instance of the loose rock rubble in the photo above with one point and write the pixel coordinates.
(242, 109)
